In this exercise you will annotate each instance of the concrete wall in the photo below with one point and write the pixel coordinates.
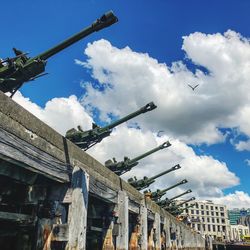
(20, 123)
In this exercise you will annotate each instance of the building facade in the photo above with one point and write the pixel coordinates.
(209, 219)
(235, 214)
(237, 232)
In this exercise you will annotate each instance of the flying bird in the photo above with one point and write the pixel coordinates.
(193, 88)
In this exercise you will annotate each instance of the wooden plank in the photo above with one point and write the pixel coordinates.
(16, 217)
(102, 191)
(133, 206)
(77, 218)
(19, 152)
(122, 239)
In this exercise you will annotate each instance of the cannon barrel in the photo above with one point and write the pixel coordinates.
(159, 193)
(179, 195)
(127, 164)
(145, 182)
(191, 199)
(106, 20)
(167, 202)
(162, 146)
(148, 107)
(165, 172)
(180, 210)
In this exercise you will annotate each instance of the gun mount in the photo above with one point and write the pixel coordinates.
(87, 139)
(126, 165)
(184, 202)
(146, 182)
(167, 201)
(155, 196)
(14, 72)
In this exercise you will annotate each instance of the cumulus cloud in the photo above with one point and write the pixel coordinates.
(243, 145)
(239, 199)
(131, 79)
(59, 113)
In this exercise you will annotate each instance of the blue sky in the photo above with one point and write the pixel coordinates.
(153, 27)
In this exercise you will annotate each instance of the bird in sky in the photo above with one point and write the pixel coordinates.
(193, 88)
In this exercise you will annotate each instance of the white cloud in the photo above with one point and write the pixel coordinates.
(239, 199)
(243, 145)
(132, 79)
(59, 113)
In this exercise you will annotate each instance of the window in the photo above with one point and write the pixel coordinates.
(212, 208)
(203, 219)
(218, 228)
(197, 211)
(216, 208)
(222, 214)
(199, 227)
(218, 221)
(202, 212)
(214, 228)
(206, 207)
(222, 220)
(212, 220)
(202, 207)
(212, 213)
(217, 214)
(221, 208)
(208, 219)
(208, 228)
(197, 205)
(207, 212)
(204, 228)
(192, 211)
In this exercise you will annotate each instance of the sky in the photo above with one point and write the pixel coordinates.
(154, 51)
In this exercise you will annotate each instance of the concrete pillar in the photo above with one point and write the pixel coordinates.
(144, 226)
(157, 231)
(122, 238)
(77, 217)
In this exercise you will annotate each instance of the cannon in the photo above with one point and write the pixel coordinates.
(155, 196)
(126, 165)
(146, 182)
(167, 201)
(177, 210)
(181, 210)
(87, 139)
(14, 72)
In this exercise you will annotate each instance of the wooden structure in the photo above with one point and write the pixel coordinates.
(56, 196)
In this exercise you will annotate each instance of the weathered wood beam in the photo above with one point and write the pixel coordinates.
(20, 153)
(21, 218)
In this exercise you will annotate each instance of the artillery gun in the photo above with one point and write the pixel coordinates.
(14, 72)
(146, 182)
(167, 202)
(87, 139)
(178, 210)
(126, 165)
(155, 196)
(175, 209)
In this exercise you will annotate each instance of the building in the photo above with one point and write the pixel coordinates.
(209, 219)
(244, 220)
(235, 214)
(237, 232)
